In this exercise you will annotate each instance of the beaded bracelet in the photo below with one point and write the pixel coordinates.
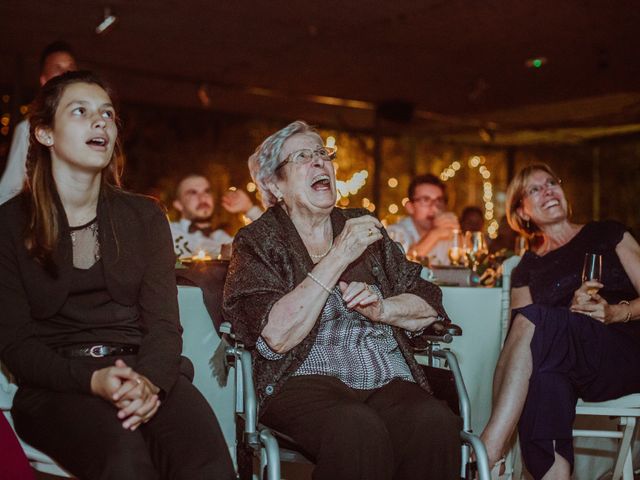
(324, 287)
(626, 302)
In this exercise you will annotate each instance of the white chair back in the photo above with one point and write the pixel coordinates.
(507, 267)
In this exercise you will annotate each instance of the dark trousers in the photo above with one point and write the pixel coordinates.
(395, 432)
(81, 432)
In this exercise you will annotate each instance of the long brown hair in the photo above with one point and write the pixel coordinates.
(44, 228)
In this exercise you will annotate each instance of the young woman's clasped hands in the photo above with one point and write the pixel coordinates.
(135, 396)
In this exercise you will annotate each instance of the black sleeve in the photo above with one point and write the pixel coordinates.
(30, 360)
(520, 277)
(159, 355)
(612, 232)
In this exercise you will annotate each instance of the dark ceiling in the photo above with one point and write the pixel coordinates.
(445, 65)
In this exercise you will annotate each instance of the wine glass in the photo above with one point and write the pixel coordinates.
(456, 250)
(477, 249)
(592, 270)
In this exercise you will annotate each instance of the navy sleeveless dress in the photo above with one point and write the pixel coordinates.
(574, 356)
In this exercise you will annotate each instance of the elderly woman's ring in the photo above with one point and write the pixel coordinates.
(370, 232)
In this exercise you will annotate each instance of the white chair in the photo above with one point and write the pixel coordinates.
(38, 460)
(513, 460)
(626, 410)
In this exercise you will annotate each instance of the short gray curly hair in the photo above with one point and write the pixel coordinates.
(266, 158)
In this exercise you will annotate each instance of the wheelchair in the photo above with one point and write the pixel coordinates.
(272, 447)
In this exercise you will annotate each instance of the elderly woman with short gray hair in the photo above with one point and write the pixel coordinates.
(332, 311)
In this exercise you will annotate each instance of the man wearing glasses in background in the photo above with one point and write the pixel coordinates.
(427, 231)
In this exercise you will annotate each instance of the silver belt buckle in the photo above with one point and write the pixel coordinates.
(96, 351)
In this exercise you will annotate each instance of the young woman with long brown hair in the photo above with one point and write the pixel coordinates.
(90, 323)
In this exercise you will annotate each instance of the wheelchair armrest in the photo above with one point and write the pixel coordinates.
(438, 332)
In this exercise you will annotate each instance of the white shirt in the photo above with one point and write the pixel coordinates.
(406, 234)
(15, 172)
(187, 244)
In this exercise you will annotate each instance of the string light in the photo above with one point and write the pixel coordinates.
(351, 186)
(477, 161)
(392, 182)
(251, 187)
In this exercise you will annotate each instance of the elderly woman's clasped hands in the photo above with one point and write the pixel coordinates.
(364, 299)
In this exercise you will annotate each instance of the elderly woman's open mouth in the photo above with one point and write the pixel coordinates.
(321, 182)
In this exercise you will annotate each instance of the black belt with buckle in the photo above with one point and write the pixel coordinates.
(98, 351)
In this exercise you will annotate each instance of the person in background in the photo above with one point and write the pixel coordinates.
(90, 324)
(56, 59)
(472, 219)
(427, 231)
(194, 201)
(569, 338)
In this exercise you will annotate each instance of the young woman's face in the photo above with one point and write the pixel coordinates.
(84, 131)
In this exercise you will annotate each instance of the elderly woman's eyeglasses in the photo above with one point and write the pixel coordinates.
(305, 155)
(534, 191)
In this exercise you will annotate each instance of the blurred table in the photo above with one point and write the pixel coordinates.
(478, 312)
(199, 342)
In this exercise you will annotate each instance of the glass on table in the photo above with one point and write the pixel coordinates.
(456, 250)
(592, 270)
(476, 248)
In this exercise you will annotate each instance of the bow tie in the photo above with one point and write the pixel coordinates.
(206, 231)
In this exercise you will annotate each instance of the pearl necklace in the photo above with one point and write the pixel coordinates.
(322, 255)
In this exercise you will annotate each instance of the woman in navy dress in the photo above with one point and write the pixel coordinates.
(565, 342)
